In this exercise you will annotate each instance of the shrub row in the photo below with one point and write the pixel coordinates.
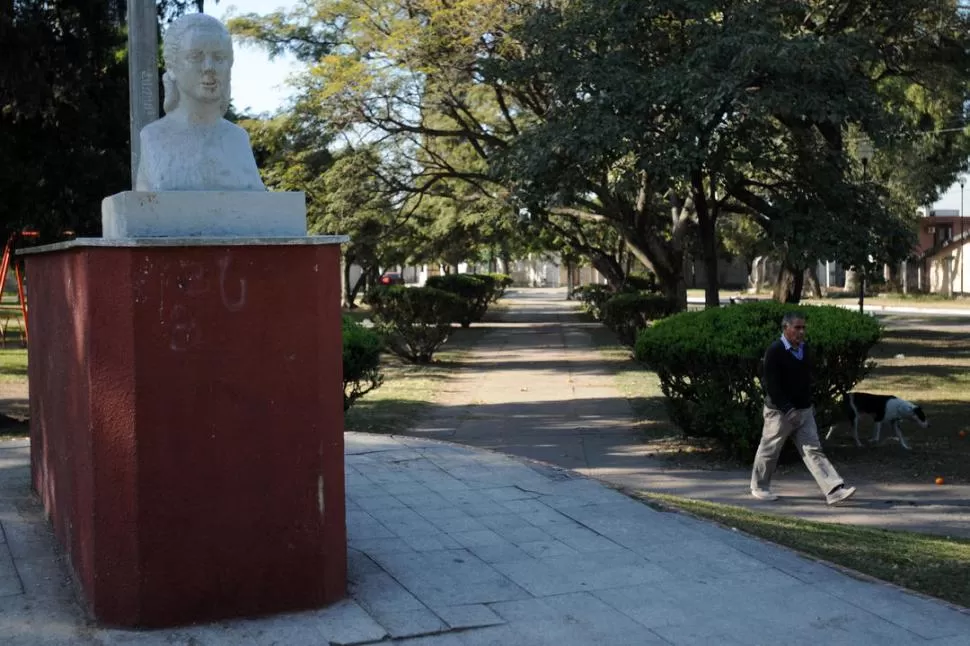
(415, 322)
(709, 365)
(628, 309)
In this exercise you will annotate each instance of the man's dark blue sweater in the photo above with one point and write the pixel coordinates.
(787, 379)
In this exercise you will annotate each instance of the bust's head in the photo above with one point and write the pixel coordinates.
(198, 61)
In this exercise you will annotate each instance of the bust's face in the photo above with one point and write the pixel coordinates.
(202, 71)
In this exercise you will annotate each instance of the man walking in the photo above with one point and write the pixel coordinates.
(788, 413)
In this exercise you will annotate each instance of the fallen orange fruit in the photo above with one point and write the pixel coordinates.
(939, 480)
(963, 433)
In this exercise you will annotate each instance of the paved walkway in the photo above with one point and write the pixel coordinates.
(537, 387)
(454, 546)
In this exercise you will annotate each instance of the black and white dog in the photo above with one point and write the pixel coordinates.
(881, 408)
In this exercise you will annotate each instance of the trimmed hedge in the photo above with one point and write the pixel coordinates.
(502, 283)
(474, 289)
(709, 364)
(414, 321)
(627, 313)
(593, 298)
(361, 359)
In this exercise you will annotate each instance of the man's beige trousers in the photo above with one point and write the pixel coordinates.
(800, 425)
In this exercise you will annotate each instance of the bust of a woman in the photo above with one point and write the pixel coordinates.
(193, 148)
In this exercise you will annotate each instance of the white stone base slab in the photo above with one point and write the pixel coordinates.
(212, 214)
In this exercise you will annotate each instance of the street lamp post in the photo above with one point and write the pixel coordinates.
(866, 151)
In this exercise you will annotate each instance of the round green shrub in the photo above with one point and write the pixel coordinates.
(472, 289)
(627, 313)
(362, 361)
(501, 282)
(415, 321)
(709, 365)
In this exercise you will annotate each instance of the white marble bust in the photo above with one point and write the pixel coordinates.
(193, 148)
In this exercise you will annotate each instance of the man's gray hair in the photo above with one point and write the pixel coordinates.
(791, 317)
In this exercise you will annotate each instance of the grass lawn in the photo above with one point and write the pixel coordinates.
(13, 364)
(934, 565)
(838, 297)
(409, 389)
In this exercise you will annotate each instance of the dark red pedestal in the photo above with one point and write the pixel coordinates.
(187, 426)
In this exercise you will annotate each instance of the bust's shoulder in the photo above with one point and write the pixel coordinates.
(232, 130)
(159, 129)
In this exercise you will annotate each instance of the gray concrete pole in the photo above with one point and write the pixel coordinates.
(142, 72)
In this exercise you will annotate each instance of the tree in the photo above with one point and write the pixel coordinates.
(64, 134)
(650, 119)
(410, 74)
(726, 106)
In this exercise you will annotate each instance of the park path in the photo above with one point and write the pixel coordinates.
(537, 386)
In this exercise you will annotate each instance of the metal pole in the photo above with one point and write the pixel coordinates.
(963, 268)
(142, 72)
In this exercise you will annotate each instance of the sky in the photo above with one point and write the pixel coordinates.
(258, 84)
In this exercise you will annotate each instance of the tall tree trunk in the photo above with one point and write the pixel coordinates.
(811, 281)
(349, 293)
(706, 220)
(851, 284)
(610, 268)
(788, 287)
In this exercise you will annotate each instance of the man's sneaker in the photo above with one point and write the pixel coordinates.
(839, 496)
(763, 494)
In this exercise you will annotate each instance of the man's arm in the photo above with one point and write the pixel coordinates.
(774, 365)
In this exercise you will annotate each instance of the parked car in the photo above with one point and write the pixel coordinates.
(392, 278)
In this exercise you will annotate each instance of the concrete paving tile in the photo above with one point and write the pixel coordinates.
(374, 546)
(562, 575)
(957, 640)
(431, 542)
(517, 532)
(440, 483)
(704, 557)
(479, 538)
(575, 618)
(500, 636)
(381, 593)
(457, 524)
(214, 634)
(372, 503)
(536, 513)
(921, 616)
(408, 488)
(409, 623)
(404, 522)
(41, 622)
(45, 577)
(359, 564)
(581, 539)
(363, 526)
(444, 639)
(543, 549)
(504, 553)
(10, 585)
(422, 502)
(345, 623)
(473, 615)
(505, 494)
(482, 508)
